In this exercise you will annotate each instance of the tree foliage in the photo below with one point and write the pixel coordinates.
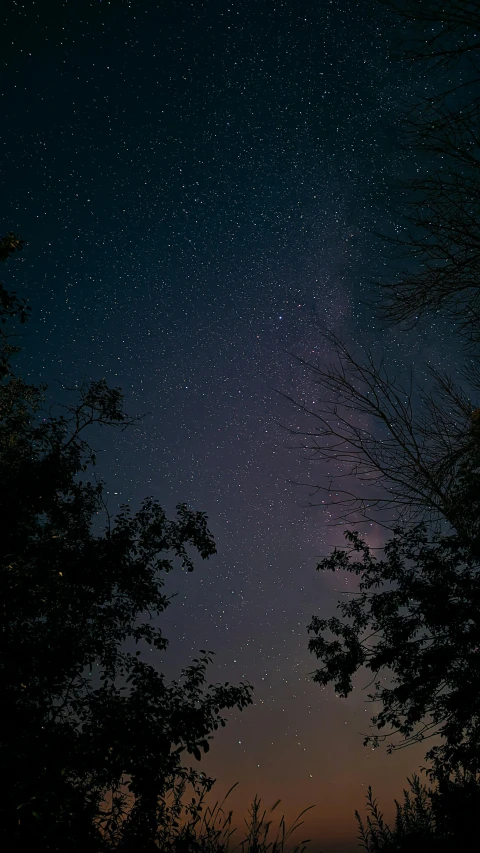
(93, 735)
(414, 626)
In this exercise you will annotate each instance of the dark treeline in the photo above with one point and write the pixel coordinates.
(95, 741)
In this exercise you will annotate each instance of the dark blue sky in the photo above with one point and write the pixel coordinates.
(196, 182)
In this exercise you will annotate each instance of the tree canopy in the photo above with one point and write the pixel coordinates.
(413, 626)
(93, 735)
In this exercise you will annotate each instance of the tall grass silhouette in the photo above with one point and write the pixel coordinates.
(195, 827)
(443, 819)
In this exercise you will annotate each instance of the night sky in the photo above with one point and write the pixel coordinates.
(197, 182)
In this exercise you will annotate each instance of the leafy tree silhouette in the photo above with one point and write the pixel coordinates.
(414, 625)
(87, 762)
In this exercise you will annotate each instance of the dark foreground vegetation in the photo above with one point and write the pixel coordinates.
(94, 738)
(95, 741)
(413, 623)
(93, 735)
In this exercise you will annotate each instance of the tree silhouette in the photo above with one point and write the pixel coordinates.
(396, 453)
(411, 625)
(440, 244)
(414, 625)
(405, 446)
(93, 736)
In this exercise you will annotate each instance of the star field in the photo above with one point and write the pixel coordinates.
(197, 182)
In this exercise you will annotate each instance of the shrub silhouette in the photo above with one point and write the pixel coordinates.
(442, 819)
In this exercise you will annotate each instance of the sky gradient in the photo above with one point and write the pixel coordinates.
(197, 182)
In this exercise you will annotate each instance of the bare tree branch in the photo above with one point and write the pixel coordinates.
(406, 460)
(441, 239)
